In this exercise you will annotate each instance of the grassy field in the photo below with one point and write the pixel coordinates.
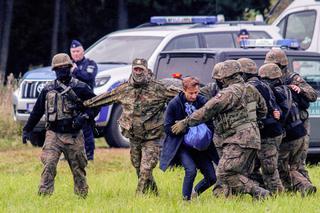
(112, 184)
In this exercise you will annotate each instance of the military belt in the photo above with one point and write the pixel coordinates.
(62, 126)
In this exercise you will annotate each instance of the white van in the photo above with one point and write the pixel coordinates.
(301, 20)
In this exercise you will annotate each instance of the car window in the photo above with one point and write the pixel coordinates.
(281, 26)
(300, 26)
(252, 35)
(198, 65)
(309, 70)
(183, 42)
(123, 49)
(217, 40)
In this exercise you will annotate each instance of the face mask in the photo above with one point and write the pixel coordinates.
(63, 73)
(273, 82)
(141, 78)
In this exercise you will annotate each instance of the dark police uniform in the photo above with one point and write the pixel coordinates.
(86, 72)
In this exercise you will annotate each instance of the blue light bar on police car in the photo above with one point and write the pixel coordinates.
(160, 20)
(287, 43)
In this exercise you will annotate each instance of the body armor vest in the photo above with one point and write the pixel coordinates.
(238, 118)
(61, 105)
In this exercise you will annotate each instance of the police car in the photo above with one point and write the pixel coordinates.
(115, 52)
(199, 63)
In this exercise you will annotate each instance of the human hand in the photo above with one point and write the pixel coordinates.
(26, 136)
(276, 114)
(179, 126)
(79, 121)
(295, 88)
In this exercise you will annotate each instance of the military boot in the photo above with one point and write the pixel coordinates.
(259, 193)
(307, 190)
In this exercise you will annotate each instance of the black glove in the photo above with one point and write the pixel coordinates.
(26, 136)
(79, 121)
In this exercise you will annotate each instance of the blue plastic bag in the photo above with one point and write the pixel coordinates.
(198, 137)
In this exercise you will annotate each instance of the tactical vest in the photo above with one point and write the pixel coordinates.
(61, 105)
(292, 117)
(238, 118)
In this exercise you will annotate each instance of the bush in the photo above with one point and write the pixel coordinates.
(9, 129)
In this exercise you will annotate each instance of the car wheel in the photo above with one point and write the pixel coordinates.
(112, 132)
(37, 138)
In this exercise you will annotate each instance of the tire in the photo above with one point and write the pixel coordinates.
(112, 132)
(37, 138)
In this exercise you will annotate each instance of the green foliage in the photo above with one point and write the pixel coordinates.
(112, 184)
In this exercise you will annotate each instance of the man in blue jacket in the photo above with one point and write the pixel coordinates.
(85, 70)
(174, 147)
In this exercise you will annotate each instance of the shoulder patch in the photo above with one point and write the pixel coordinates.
(90, 68)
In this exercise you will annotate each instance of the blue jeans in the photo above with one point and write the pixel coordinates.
(192, 160)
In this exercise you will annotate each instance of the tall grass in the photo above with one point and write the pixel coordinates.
(112, 183)
(9, 129)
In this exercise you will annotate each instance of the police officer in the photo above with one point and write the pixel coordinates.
(143, 101)
(299, 85)
(235, 110)
(61, 102)
(271, 130)
(292, 145)
(85, 70)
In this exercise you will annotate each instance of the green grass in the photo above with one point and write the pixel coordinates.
(112, 183)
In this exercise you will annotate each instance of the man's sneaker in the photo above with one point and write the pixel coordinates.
(194, 194)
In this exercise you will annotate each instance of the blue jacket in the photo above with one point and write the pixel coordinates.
(176, 111)
(86, 71)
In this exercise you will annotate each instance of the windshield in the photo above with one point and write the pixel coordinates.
(123, 49)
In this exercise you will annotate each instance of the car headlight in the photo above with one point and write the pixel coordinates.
(102, 81)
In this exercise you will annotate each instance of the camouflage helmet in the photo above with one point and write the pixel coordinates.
(140, 62)
(277, 56)
(270, 71)
(216, 68)
(61, 59)
(248, 65)
(229, 68)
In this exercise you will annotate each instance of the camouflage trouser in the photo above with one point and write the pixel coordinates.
(268, 157)
(233, 169)
(144, 157)
(306, 140)
(73, 150)
(288, 165)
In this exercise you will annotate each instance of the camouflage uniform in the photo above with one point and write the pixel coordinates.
(235, 110)
(143, 100)
(279, 57)
(291, 147)
(61, 102)
(271, 130)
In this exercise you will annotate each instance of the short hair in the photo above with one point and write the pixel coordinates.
(190, 81)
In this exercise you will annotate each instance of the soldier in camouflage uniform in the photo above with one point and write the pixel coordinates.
(298, 84)
(271, 130)
(292, 146)
(235, 110)
(61, 102)
(143, 100)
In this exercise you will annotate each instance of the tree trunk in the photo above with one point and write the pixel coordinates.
(64, 41)
(55, 29)
(1, 20)
(122, 14)
(5, 37)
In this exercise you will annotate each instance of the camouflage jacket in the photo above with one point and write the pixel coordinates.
(306, 90)
(143, 107)
(231, 100)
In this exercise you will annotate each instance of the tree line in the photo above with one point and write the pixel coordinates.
(32, 31)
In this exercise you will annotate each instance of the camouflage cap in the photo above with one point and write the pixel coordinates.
(140, 62)
(270, 71)
(60, 60)
(229, 68)
(248, 65)
(277, 56)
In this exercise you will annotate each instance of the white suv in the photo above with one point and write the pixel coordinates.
(114, 53)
